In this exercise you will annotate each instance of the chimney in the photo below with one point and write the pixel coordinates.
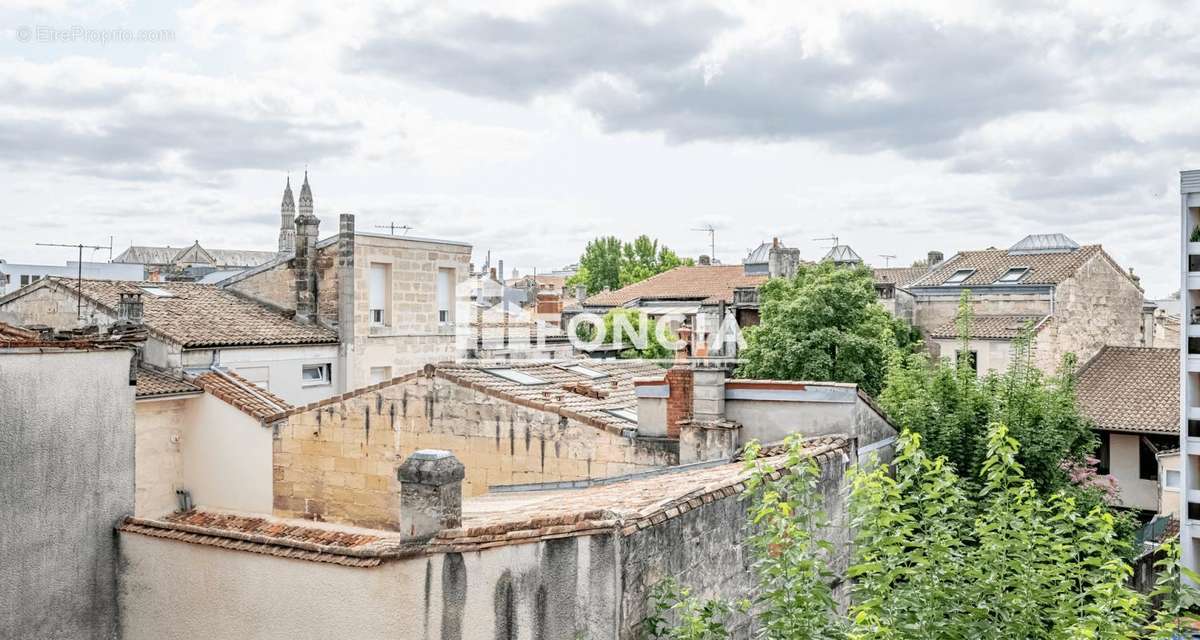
(500, 263)
(679, 385)
(775, 242)
(934, 259)
(345, 296)
(580, 293)
(492, 272)
(708, 393)
(705, 261)
(782, 261)
(430, 493)
(130, 308)
(307, 225)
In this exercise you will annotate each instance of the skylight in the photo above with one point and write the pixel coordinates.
(519, 377)
(1013, 275)
(158, 292)
(628, 415)
(959, 276)
(584, 371)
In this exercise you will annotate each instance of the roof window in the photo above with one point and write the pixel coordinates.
(519, 377)
(590, 374)
(1013, 275)
(960, 276)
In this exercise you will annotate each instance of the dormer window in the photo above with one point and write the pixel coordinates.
(1012, 275)
(958, 277)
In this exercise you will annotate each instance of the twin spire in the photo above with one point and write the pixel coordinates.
(288, 217)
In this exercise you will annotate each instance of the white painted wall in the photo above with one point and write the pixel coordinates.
(226, 457)
(1168, 503)
(991, 355)
(1123, 465)
(284, 365)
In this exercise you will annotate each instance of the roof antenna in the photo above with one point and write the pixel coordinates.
(79, 275)
(391, 227)
(834, 238)
(712, 240)
(887, 258)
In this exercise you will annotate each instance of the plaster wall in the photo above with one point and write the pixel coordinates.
(990, 355)
(1168, 498)
(66, 479)
(277, 369)
(1123, 464)
(158, 454)
(226, 457)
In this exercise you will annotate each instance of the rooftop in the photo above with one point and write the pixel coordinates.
(1133, 389)
(987, 267)
(170, 255)
(899, 276)
(152, 383)
(195, 315)
(992, 327)
(623, 507)
(710, 284)
(240, 393)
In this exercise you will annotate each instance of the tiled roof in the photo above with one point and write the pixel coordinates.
(168, 255)
(499, 519)
(300, 540)
(564, 392)
(899, 276)
(627, 506)
(991, 327)
(241, 393)
(713, 283)
(13, 334)
(155, 384)
(202, 315)
(990, 264)
(1131, 389)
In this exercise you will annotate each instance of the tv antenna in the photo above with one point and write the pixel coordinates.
(887, 258)
(79, 275)
(712, 239)
(391, 227)
(834, 238)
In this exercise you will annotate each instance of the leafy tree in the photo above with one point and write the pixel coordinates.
(950, 406)
(609, 263)
(632, 322)
(823, 324)
(936, 557)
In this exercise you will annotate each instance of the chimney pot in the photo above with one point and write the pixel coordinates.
(705, 260)
(130, 307)
(430, 493)
(934, 259)
(492, 272)
(775, 242)
(580, 293)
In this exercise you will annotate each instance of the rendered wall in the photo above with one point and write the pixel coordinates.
(159, 457)
(1123, 464)
(66, 479)
(282, 366)
(226, 457)
(339, 461)
(991, 355)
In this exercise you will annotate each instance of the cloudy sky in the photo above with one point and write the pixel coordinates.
(528, 129)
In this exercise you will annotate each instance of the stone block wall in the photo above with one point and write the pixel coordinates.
(337, 461)
(158, 458)
(276, 286)
(931, 312)
(1099, 305)
(54, 307)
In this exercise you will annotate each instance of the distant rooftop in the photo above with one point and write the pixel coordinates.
(1043, 243)
(843, 254)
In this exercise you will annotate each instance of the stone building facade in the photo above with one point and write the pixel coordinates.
(1080, 298)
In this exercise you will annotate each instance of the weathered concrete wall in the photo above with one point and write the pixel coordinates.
(226, 457)
(159, 457)
(770, 421)
(48, 306)
(563, 588)
(339, 461)
(1099, 305)
(66, 479)
(706, 550)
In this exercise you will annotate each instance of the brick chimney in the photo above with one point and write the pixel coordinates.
(430, 493)
(679, 383)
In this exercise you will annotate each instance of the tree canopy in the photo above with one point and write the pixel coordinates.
(823, 324)
(633, 324)
(607, 262)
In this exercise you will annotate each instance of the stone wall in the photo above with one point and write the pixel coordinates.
(1099, 305)
(52, 307)
(338, 461)
(276, 286)
(931, 312)
(66, 479)
(158, 455)
(706, 550)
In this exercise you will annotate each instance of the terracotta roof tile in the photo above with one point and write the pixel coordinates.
(1131, 389)
(14, 334)
(708, 283)
(990, 264)
(991, 327)
(899, 276)
(200, 315)
(153, 384)
(241, 394)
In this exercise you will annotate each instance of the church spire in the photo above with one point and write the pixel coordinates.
(306, 199)
(287, 220)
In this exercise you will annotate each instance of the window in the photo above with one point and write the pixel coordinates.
(1013, 275)
(379, 292)
(1147, 459)
(625, 414)
(972, 359)
(959, 276)
(28, 279)
(1171, 479)
(445, 285)
(316, 374)
(379, 374)
(1104, 453)
(520, 377)
(584, 371)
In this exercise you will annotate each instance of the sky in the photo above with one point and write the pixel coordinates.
(528, 128)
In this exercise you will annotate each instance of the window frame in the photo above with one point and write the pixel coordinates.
(1022, 272)
(516, 375)
(326, 378)
(383, 313)
(951, 281)
(580, 370)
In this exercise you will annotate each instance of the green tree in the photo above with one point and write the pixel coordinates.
(823, 324)
(935, 557)
(631, 322)
(609, 263)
